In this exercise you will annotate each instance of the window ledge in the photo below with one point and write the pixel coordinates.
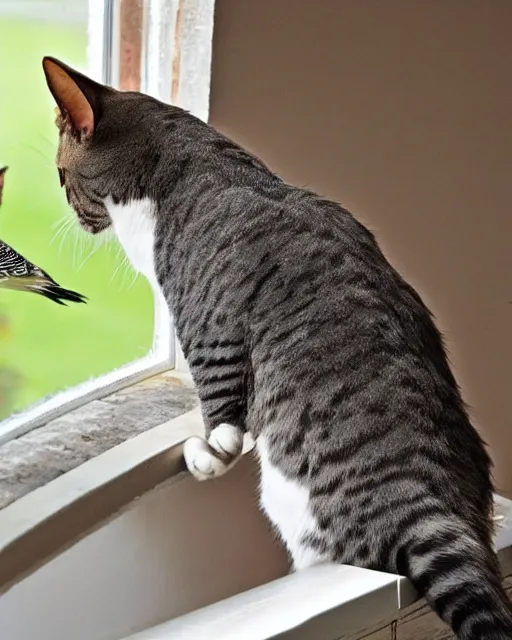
(43, 454)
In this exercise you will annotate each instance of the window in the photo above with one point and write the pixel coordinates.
(161, 47)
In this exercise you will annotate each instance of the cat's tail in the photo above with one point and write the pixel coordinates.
(459, 576)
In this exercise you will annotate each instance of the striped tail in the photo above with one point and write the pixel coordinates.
(459, 576)
(58, 294)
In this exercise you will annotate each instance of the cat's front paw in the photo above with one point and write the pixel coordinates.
(227, 441)
(212, 459)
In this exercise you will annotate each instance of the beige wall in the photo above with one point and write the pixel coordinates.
(402, 110)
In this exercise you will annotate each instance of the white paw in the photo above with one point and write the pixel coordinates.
(212, 459)
(227, 441)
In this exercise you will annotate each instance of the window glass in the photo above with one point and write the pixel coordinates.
(45, 347)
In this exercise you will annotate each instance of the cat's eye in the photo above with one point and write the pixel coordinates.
(62, 177)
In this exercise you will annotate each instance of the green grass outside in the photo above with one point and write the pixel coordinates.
(51, 347)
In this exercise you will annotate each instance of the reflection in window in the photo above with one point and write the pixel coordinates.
(43, 347)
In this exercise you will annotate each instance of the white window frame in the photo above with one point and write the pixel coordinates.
(194, 19)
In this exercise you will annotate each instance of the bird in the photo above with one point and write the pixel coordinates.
(18, 274)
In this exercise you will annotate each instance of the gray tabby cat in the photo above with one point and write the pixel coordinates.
(297, 329)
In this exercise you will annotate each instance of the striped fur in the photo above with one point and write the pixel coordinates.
(297, 328)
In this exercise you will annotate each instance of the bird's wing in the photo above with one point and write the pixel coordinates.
(13, 265)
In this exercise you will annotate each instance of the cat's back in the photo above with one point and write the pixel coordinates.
(318, 297)
(317, 268)
(329, 315)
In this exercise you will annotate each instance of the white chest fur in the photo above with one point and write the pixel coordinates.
(134, 225)
(286, 503)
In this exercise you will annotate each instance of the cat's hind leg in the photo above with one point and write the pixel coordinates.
(206, 459)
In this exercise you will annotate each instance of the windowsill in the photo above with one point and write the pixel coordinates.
(45, 453)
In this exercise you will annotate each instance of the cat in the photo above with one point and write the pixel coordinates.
(297, 329)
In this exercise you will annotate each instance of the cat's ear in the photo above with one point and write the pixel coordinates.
(2, 174)
(78, 97)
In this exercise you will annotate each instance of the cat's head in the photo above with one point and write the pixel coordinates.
(108, 143)
(2, 177)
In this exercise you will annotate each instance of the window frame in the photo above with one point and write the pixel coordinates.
(170, 66)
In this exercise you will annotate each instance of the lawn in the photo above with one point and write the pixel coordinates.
(51, 347)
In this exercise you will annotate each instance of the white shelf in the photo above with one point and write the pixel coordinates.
(321, 603)
(315, 603)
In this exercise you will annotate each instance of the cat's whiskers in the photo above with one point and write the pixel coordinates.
(60, 223)
(98, 241)
(62, 228)
(87, 257)
(69, 228)
(57, 227)
(123, 262)
(134, 280)
(84, 243)
(77, 240)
